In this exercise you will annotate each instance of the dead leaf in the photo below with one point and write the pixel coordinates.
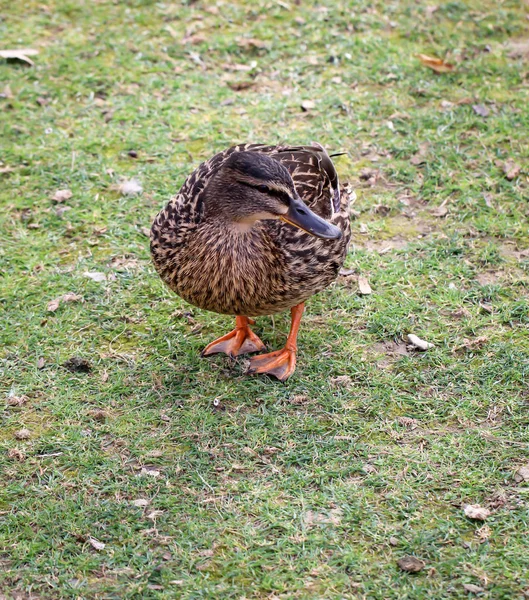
(473, 589)
(363, 286)
(95, 276)
(130, 187)
(518, 48)
(363, 228)
(408, 422)
(197, 38)
(474, 344)
(76, 364)
(522, 474)
(393, 541)
(16, 454)
(333, 517)
(96, 543)
(16, 400)
(483, 533)
(71, 297)
(22, 434)
(40, 363)
(150, 472)
(440, 211)
(341, 381)
(307, 105)
(140, 502)
(239, 86)
(53, 305)
(411, 564)
(477, 512)
(420, 157)
(418, 343)
(436, 64)
(62, 195)
(7, 93)
(146, 231)
(511, 169)
(251, 43)
(346, 272)
(20, 54)
(481, 110)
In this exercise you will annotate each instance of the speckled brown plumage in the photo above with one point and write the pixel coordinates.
(269, 268)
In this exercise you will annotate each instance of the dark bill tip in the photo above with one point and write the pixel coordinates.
(300, 215)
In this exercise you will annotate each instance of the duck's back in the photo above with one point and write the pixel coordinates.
(272, 267)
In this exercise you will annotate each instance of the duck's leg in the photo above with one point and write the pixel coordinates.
(241, 340)
(281, 363)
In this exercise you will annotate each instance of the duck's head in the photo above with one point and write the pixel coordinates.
(251, 186)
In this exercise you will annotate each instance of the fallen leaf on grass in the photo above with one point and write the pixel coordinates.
(511, 169)
(473, 589)
(40, 363)
(20, 54)
(16, 454)
(393, 541)
(334, 517)
(420, 157)
(481, 110)
(346, 272)
(477, 512)
(130, 187)
(341, 381)
(53, 305)
(251, 43)
(522, 474)
(363, 286)
(140, 502)
(307, 105)
(95, 276)
(96, 543)
(408, 422)
(150, 472)
(62, 195)
(436, 64)
(410, 564)
(418, 343)
(483, 533)
(16, 400)
(441, 210)
(22, 434)
(75, 364)
(474, 344)
(146, 231)
(239, 86)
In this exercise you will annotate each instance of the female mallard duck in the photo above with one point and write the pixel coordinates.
(255, 230)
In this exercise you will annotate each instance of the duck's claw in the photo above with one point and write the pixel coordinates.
(280, 364)
(242, 340)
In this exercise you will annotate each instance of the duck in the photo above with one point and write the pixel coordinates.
(255, 230)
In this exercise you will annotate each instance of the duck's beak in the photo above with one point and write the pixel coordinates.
(300, 215)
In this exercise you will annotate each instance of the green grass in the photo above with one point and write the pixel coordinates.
(283, 490)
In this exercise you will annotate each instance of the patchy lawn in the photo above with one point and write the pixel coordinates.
(139, 470)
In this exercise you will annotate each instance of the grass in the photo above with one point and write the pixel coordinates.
(256, 489)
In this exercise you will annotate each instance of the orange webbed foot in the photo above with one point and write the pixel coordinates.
(242, 340)
(280, 364)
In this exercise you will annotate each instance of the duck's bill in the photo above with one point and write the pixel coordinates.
(300, 215)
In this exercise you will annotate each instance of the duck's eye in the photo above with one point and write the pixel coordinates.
(263, 188)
